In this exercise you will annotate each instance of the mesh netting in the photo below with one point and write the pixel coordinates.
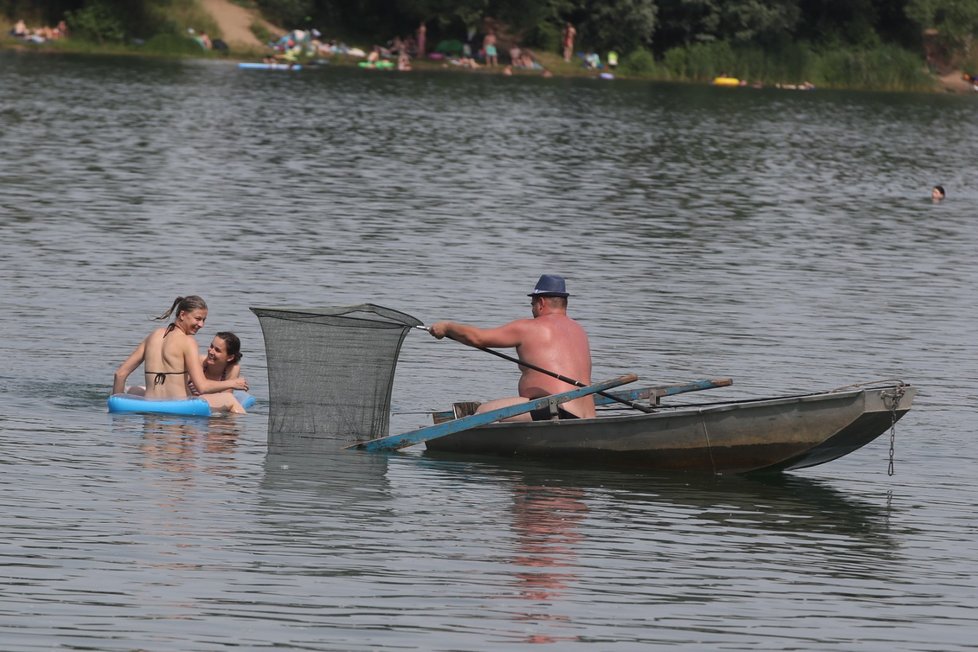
(330, 370)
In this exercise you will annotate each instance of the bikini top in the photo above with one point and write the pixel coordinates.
(160, 377)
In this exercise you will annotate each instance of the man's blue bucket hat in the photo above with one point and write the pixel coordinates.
(550, 285)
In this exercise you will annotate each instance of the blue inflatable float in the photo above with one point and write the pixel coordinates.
(187, 407)
(244, 398)
(269, 66)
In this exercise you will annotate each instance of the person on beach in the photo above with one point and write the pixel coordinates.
(550, 340)
(222, 360)
(403, 61)
(489, 45)
(937, 194)
(171, 357)
(568, 41)
(422, 39)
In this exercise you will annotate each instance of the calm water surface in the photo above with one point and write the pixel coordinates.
(783, 239)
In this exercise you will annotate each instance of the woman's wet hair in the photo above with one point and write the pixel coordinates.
(233, 345)
(184, 304)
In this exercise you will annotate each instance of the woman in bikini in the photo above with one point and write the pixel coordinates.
(222, 360)
(171, 358)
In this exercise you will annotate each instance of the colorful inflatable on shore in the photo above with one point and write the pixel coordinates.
(726, 81)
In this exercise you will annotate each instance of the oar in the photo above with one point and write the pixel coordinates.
(394, 442)
(658, 391)
(652, 394)
(569, 381)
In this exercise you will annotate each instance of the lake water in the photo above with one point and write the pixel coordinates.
(784, 239)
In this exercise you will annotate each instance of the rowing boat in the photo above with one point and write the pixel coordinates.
(331, 371)
(754, 436)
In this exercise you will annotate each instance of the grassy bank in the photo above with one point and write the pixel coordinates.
(164, 45)
(884, 68)
(168, 34)
(878, 68)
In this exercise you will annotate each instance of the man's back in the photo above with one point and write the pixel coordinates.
(557, 343)
(551, 341)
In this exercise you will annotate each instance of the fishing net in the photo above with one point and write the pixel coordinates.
(330, 370)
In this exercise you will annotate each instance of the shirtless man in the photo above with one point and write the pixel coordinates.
(551, 341)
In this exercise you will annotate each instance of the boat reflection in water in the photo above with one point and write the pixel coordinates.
(572, 532)
(762, 505)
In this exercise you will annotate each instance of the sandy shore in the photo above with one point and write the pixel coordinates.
(235, 23)
(954, 82)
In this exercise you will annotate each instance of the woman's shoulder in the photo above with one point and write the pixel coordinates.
(175, 339)
(156, 334)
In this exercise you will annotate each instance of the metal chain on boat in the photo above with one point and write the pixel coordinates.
(891, 400)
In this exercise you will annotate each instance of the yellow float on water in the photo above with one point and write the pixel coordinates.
(726, 81)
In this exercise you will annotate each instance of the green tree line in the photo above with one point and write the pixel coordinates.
(681, 38)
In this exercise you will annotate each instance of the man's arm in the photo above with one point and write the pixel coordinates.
(507, 336)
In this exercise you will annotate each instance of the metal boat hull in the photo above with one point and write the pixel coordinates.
(767, 435)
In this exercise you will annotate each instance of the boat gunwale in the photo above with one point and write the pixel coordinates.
(692, 410)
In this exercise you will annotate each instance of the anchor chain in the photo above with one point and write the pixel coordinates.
(891, 400)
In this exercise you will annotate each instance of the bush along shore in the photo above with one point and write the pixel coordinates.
(182, 28)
